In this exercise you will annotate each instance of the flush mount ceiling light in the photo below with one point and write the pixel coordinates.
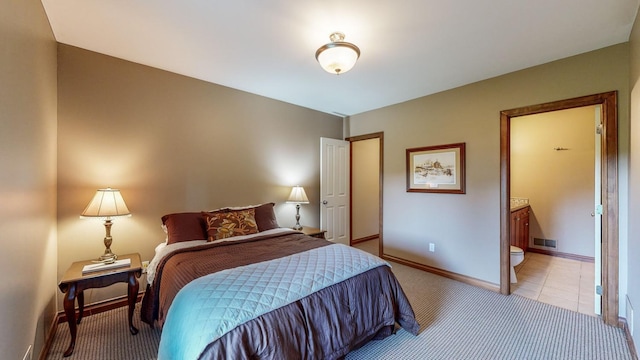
(338, 56)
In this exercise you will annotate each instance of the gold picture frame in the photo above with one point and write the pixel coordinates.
(436, 169)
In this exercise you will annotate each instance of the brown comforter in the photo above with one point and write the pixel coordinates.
(324, 325)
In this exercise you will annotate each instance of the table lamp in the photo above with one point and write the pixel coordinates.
(298, 196)
(105, 205)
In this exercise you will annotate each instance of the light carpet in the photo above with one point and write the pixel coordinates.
(458, 321)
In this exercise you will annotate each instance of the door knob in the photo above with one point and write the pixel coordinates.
(324, 202)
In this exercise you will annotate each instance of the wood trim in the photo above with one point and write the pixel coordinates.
(380, 196)
(561, 254)
(609, 187)
(380, 136)
(365, 137)
(363, 239)
(505, 209)
(350, 192)
(51, 334)
(610, 230)
(622, 323)
(444, 273)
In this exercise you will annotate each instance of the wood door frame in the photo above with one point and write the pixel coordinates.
(609, 189)
(380, 137)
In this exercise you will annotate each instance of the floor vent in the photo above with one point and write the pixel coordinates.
(545, 242)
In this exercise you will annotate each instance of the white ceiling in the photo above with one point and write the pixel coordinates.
(410, 48)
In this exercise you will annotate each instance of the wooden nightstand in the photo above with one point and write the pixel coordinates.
(314, 232)
(73, 284)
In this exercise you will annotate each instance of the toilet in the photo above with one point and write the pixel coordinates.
(517, 255)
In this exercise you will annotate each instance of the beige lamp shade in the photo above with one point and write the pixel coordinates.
(298, 196)
(106, 203)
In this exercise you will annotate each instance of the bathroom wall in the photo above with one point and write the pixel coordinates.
(558, 183)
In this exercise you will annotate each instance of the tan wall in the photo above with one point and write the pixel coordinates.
(365, 193)
(172, 143)
(466, 228)
(27, 177)
(560, 185)
(630, 251)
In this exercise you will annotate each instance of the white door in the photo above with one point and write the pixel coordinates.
(597, 213)
(334, 189)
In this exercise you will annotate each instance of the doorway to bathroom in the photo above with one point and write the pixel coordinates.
(607, 103)
(555, 158)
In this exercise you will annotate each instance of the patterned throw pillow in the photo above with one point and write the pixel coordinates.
(265, 216)
(225, 224)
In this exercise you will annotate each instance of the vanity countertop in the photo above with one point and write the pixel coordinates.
(517, 203)
(519, 207)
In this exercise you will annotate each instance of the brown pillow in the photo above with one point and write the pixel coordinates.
(265, 217)
(228, 223)
(184, 227)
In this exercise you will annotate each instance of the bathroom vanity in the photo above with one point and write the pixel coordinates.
(520, 226)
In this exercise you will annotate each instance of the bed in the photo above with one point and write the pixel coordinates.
(232, 284)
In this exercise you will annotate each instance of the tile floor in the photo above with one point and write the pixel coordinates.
(557, 281)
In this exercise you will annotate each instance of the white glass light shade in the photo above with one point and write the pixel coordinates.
(337, 57)
(106, 203)
(298, 196)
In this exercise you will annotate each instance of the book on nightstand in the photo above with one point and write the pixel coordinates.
(102, 266)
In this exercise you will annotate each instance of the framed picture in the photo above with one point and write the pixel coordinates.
(436, 169)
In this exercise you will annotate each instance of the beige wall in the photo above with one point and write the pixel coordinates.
(633, 249)
(560, 185)
(466, 228)
(172, 143)
(365, 189)
(27, 177)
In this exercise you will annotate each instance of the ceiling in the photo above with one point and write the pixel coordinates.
(410, 48)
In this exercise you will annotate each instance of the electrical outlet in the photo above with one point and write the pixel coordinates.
(432, 247)
(145, 265)
(28, 354)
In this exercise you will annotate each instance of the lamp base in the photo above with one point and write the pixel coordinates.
(297, 226)
(108, 258)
